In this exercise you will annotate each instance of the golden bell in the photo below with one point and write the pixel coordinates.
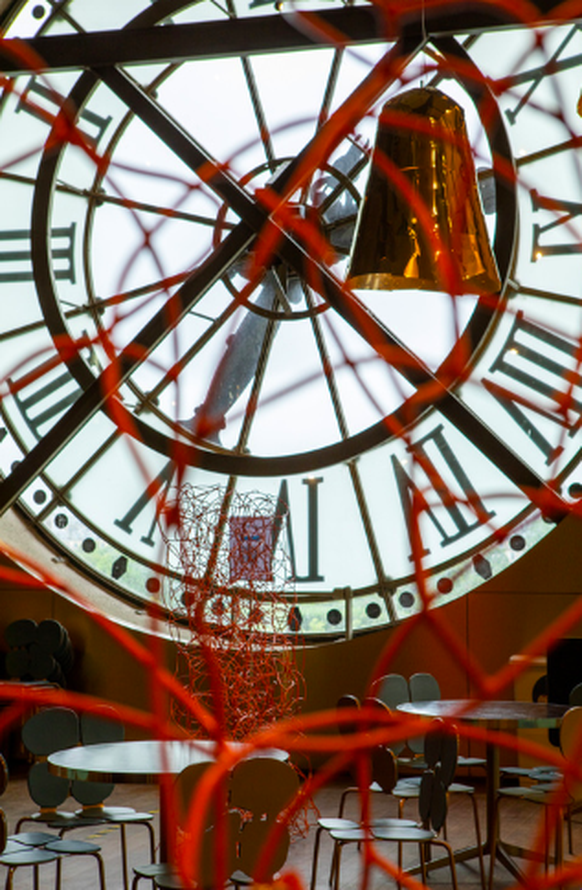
(421, 223)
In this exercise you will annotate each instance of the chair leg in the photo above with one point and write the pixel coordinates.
(560, 839)
(422, 856)
(333, 865)
(448, 848)
(314, 862)
(100, 868)
(152, 836)
(337, 860)
(478, 837)
(123, 842)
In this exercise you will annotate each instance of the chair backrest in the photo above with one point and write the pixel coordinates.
(575, 696)
(384, 768)
(539, 690)
(440, 752)
(100, 726)
(393, 690)
(219, 844)
(264, 787)
(424, 687)
(571, 746)
(50, 730)
(348, 701)
(185, 790)
(46, 790)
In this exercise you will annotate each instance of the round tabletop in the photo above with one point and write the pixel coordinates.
(137, 761)
(494, 714)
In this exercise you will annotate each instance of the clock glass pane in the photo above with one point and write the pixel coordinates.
(173, 246)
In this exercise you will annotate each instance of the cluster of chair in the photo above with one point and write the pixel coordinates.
(556, 789)
(394, 690)
(430, 790)
(53, 729)
(40, 651)
(33, 849)
(237, 832)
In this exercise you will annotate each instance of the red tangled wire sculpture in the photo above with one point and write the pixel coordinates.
(229, 603)
(191, 356)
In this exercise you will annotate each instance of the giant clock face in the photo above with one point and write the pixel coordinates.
(160, 328)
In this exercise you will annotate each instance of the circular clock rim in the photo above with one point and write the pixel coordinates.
(212, 458)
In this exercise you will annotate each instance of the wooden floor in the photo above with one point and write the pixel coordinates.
(519, 824)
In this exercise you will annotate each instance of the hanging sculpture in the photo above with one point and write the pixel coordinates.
(229, 597)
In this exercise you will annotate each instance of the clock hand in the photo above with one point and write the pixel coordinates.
(236, 368)
(240, 361)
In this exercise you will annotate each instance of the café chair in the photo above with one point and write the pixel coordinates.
(49, 730)
(345, 703)
(548, 794)
(52, 729)
(425, 687)
(384, 776)
(164, 874)
(432, 807)
(33, 849)
(261, 787)
(350, 701)
(546, 773)
(441, 746)
(100, 727)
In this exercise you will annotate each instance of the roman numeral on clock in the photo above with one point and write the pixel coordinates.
(42, 401)
(283, 518)
(535, 76)
(160, 483)
(44, 103)
(546, 368)
(457, 510)
(568, 211)
(16, 254)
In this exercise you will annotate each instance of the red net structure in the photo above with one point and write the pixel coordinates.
(230, 599)
(214, 415)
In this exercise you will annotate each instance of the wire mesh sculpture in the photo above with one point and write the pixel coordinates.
(230, 597)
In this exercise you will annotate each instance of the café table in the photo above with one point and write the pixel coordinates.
(493, 715)
(142, 762)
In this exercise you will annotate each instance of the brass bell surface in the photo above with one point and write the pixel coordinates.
(422, 132)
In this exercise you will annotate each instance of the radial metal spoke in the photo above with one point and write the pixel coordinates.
(355, 478)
